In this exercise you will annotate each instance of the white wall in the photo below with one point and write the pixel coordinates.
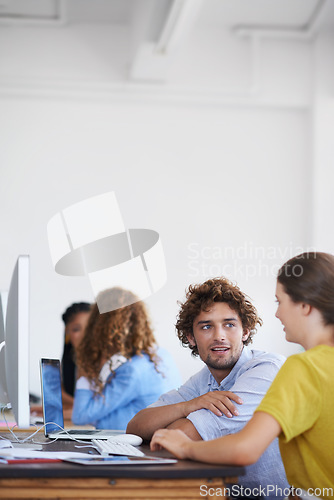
(323, 126)
(224, 177)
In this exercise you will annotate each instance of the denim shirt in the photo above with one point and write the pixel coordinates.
(250, 379)
(134, 384)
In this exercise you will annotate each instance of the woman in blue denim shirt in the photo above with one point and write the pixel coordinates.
(120, 368)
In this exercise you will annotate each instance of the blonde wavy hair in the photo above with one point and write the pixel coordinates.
(125, 330)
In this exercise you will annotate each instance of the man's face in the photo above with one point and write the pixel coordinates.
(219, 336)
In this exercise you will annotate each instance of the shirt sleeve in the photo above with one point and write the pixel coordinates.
(294, 399)
(251, 386)
(118, 392)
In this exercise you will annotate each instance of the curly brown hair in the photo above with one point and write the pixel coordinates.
(125, 330)
(200, 297)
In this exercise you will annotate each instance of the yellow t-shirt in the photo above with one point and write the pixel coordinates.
(301, 399)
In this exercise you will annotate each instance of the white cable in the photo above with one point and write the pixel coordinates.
(30, 437)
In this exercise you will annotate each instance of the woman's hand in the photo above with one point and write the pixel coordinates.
(174, 441)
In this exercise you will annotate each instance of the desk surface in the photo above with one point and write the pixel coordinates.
(182, 469)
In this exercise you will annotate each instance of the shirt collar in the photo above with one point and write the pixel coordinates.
(110, 366)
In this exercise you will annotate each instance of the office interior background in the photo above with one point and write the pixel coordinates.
(211, 120)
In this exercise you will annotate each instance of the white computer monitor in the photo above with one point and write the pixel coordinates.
(3, 384)
(16, 347)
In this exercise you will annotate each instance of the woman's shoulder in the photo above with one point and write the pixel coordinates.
(317, 353)
(168, 367)
(164, 354)
(308, 365)
(160, 356)
(137, 361)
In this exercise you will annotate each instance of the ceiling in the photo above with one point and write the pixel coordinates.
(160, 26)
(289, 14)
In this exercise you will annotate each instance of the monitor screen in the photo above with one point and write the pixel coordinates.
(51, 395)
(17, 342)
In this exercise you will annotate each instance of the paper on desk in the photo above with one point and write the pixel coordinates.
(60, 455)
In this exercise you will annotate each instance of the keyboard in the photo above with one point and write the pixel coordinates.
(107, 447)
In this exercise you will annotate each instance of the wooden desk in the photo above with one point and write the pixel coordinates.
(185, 480)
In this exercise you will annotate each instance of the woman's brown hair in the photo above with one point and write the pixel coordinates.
(309, 278)
(201, 297)
(124, 330)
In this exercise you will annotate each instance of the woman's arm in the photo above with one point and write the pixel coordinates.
(243, 448)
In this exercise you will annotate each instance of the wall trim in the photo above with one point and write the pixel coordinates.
(152, 93)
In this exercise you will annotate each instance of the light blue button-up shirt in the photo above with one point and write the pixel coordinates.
(250, 379)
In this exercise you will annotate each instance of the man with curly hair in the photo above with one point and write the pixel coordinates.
(216, 322)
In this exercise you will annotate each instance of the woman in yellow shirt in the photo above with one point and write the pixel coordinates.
(299, 405)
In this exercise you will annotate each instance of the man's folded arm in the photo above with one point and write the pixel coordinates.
(148, 420)
(169, 408)
(172, 409)
(187, 427)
